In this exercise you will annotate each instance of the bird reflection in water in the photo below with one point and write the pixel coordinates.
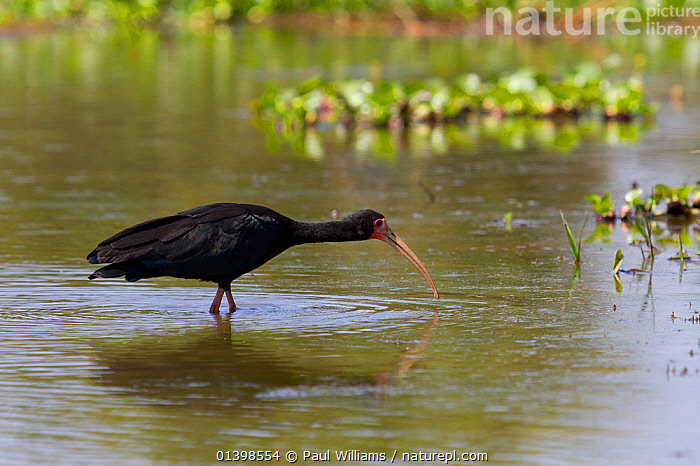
(225, 367)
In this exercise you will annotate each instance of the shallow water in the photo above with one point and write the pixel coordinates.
(339, 346)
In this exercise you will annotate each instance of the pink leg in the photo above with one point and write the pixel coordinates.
(231, 303)
(214, 308)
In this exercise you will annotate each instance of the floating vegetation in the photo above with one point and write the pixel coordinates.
(668, 217)
(396, 104)
(602, 205)
(676, 202)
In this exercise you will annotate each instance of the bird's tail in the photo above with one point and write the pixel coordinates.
(92, 257)
(130, 270)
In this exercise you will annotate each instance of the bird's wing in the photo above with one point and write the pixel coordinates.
(139, 240)
(226, 246)
(171, 227)
(208, 241)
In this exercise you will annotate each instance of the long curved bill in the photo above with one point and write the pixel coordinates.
(394, 241)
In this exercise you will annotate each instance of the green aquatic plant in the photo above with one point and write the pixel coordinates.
(508, 220)
(378, 103)
(675, 194)
(623, 99)
(618, 261)
(643, 226)
(210, 12)
(616, 270)
(679, 201)
(682, 254)
(575, 246)
(676, 198)
(695, 196)
(635, 197)
(602, 205)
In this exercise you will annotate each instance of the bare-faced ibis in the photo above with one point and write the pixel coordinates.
(221, 242)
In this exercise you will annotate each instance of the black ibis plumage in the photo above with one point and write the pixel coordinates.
(221, 242)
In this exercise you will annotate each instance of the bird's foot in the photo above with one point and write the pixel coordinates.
(231, 302)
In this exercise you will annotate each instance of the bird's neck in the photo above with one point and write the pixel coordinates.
(324, 232)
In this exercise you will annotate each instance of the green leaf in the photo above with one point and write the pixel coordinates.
(639, 228)
(580, 237)
(618, 261)
(682, 254)
(600, 204)
(681, 193)
(310, 85)
(642, 225)
(572, 240)
(661, 192)
(508, 220)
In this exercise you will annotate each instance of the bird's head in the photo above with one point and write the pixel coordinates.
(363, 222)
(371, 224)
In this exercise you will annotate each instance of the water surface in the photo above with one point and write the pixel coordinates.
(334, 346)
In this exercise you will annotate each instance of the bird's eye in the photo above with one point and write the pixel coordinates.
(379, 223)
